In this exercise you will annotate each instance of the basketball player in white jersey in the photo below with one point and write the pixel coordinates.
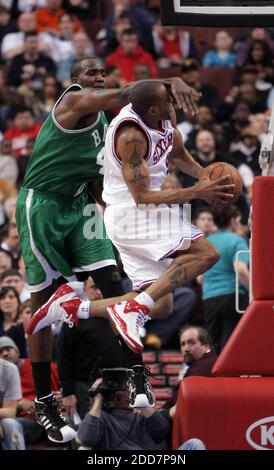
(138, 143)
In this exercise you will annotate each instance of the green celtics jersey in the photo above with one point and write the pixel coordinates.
(64, 160)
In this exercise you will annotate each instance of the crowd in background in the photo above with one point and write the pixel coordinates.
(232, 68)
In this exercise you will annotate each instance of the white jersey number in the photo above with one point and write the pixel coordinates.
(100, 161)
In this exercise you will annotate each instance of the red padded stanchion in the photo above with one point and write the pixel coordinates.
(263, 238)
(226, 413)
(250, 348)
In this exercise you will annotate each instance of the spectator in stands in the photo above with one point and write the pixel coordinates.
(222, 56)
(260, 56)
(140, 17)
(82, 47)
(120, 24)
(42, 101)
(198, 358)
(10, 394)
(142, 72)
(78, 350)
(248, 149)
(172, 45)
(191, 74)
(9, 308)
(5, 261)
(9, 101)
(247, 93)
(236, 123)
(6, 25)
(13, 43)
(47, 18)
(260, 122)
(206, 152)
(116, 426)
(61, 47)
(17, 332)
(220, 315)
(31, 66)
(8, 166)
(13, 278)
(24, 127)
(203, 121)
(10, 243)
(242, 44)
(204, 220)
(129, 54)
(31, 432)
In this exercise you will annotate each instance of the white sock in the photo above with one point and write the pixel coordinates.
(145, 299)
(78, 288)
(83, 310)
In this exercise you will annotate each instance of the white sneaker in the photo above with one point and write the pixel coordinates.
(52, 312)
(127, 317)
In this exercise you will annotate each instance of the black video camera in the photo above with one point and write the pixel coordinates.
(114, 379)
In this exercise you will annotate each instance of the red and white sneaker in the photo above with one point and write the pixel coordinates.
(52, 312)
(127, 317)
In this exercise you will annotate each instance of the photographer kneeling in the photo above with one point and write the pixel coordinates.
(112, 425)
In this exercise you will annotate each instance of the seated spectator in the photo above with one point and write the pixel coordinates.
(10, 100)
(8, 166)
(242, 44)
(9, 308)
(82, 47)
(237, 122)
(203, 121)
(82, 9)
(31, 432)
(18, 332)
(6, 24)
(129, 54)
(140, 17)
(24, 127)
(13, 278)
(198, 358)
(204, 220)
(5, 261)
(13, 43)
(142, 72)
(172, 45)
(30, 66)
(42, 101)
(108, 44)
(60, 46)
(47, 19)
(222, 56)
(10, 243)
(248, 149)
(260, 56)
(191, 74)
(10, 393)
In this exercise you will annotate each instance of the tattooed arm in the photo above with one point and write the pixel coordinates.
(131, 148)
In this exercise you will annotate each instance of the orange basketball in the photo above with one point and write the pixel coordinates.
(219, 169)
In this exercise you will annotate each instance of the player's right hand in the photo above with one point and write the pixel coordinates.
(218, 192)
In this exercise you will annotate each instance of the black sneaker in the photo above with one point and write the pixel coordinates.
(49, 416)
(140, 394)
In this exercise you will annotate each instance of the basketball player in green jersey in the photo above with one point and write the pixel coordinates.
(52, 207)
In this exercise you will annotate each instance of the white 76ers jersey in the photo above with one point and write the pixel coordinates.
(159, 145)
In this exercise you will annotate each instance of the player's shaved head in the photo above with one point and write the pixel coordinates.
(146, 94)
(79, 66)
